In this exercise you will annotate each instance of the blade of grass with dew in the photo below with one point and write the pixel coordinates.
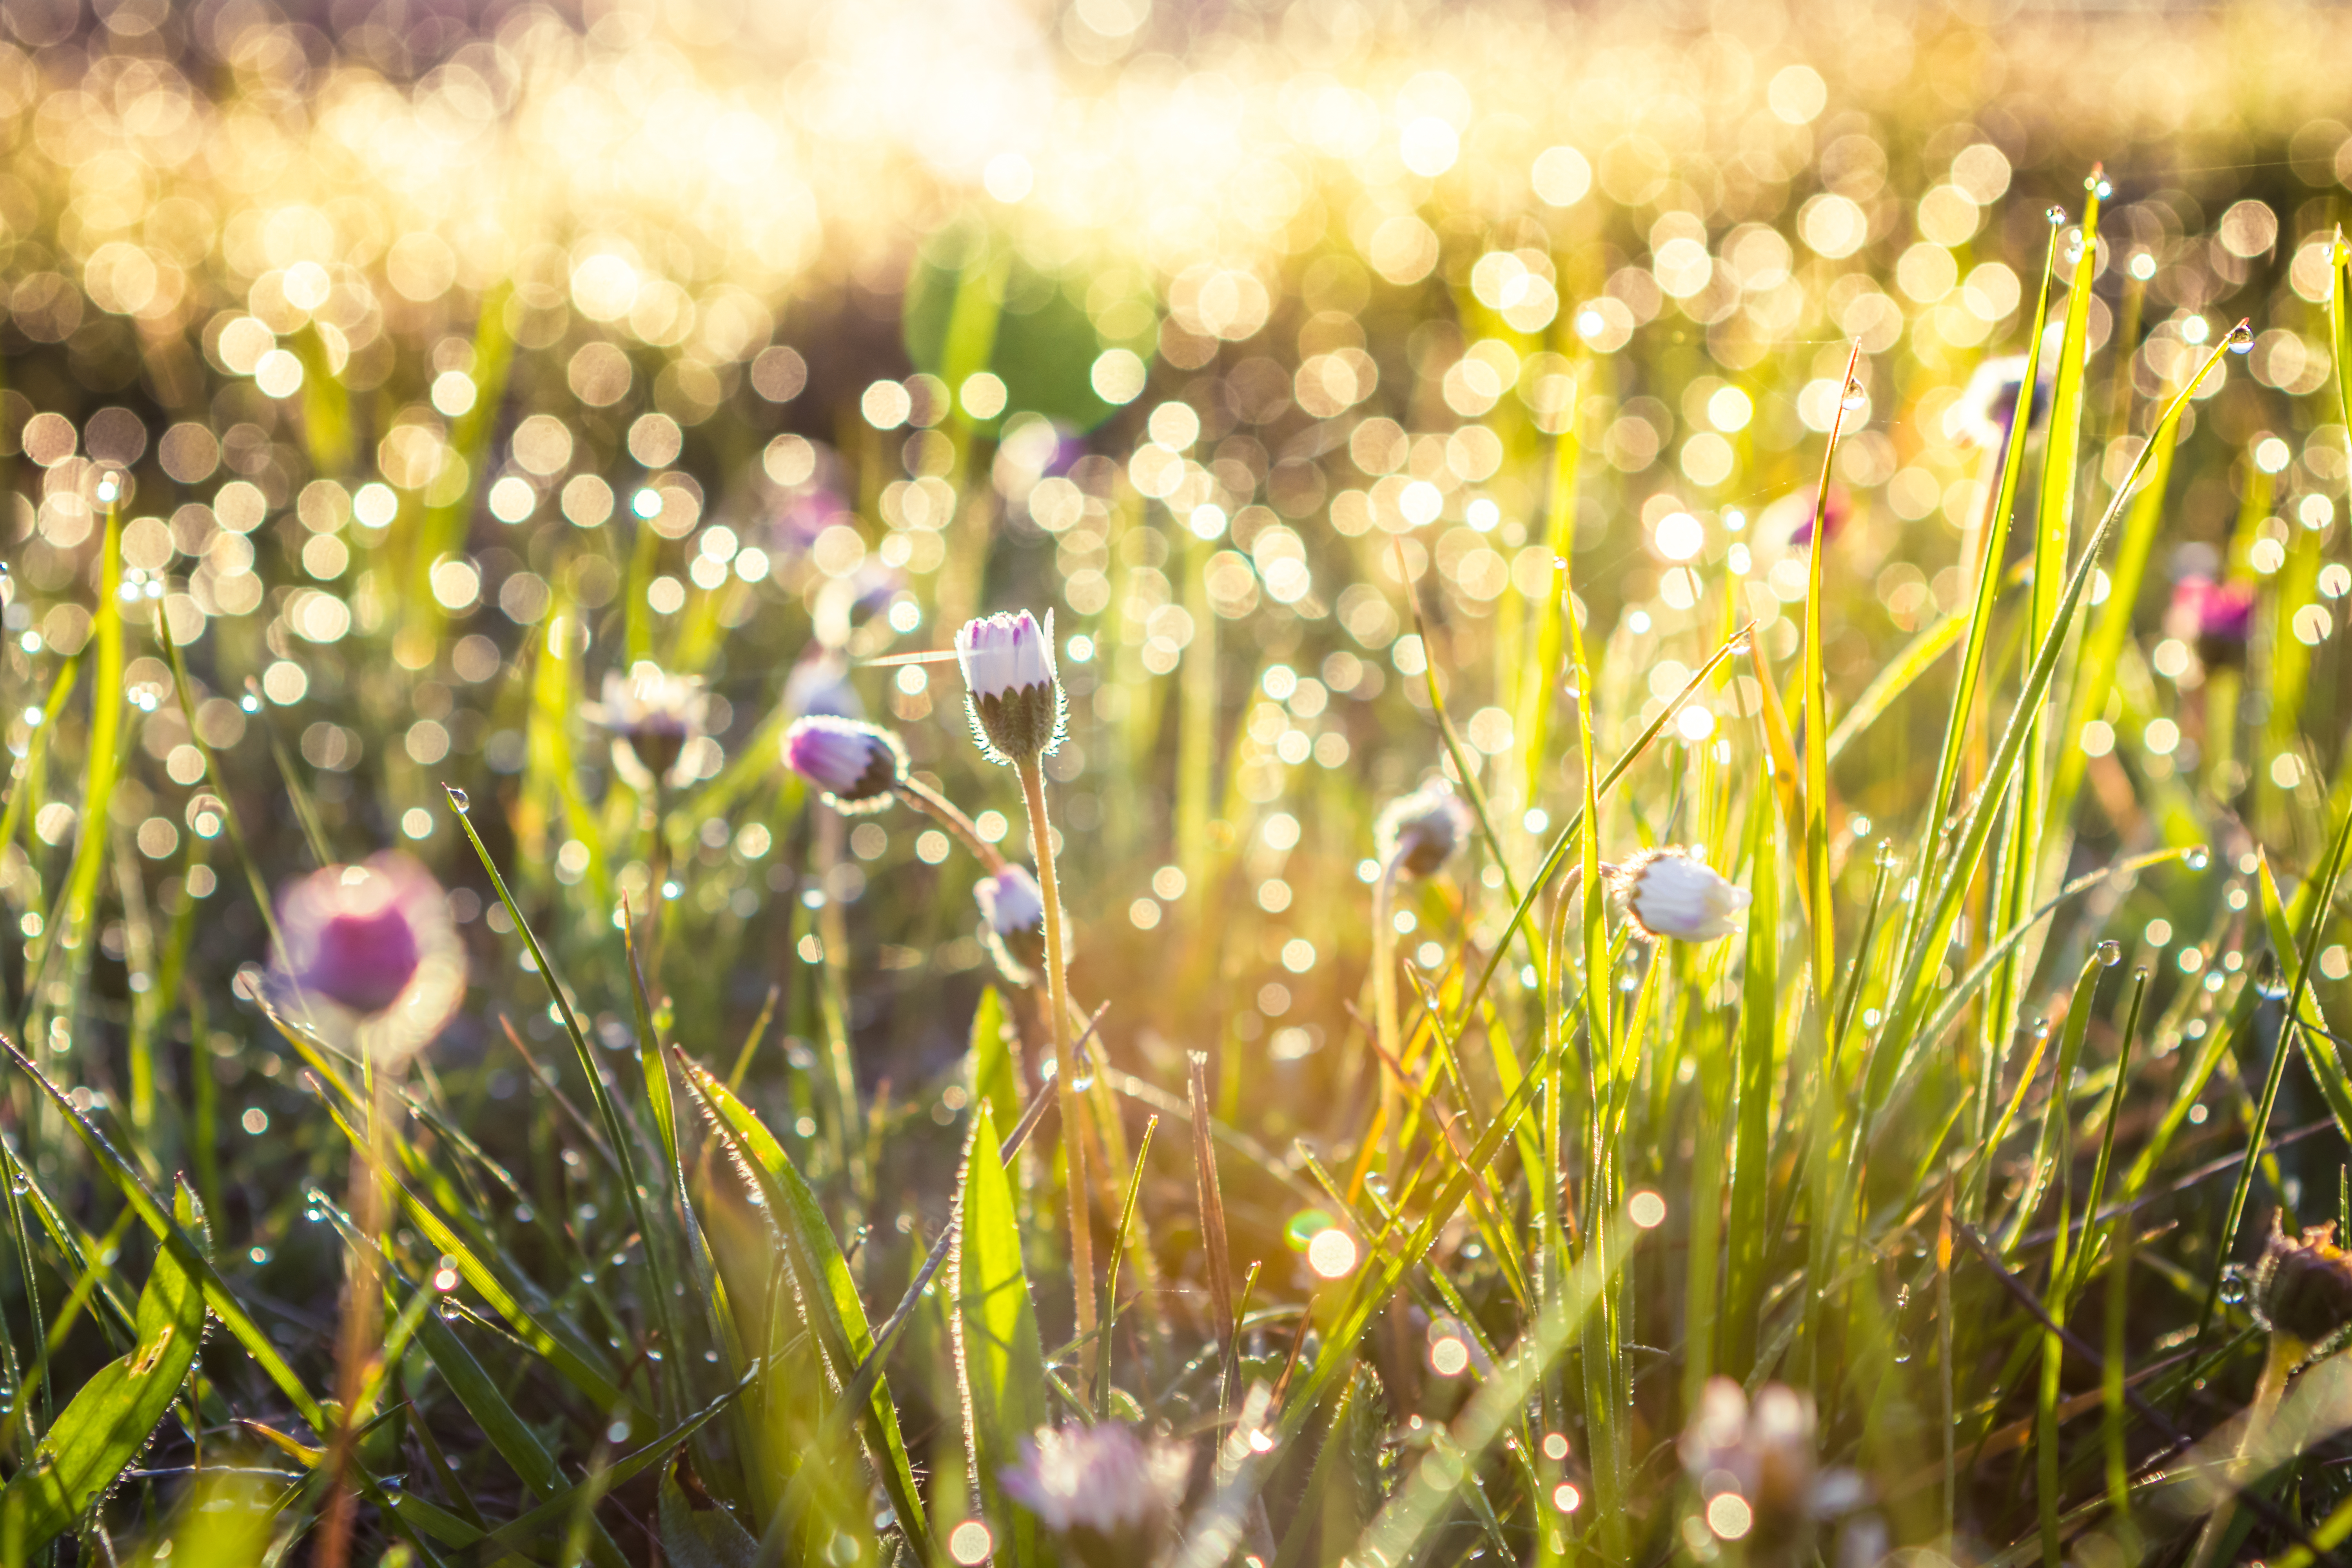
(2103, 645)
(106, 1425)
(1416, 1508)
(836, 1314)
(168, 1233)
(1993, 547)
(1110, 1288)
(103, 754)
(999, 1363)
(615, 1130)
(2320, 890)
(1745, 1274)
(1821, 950)
(1907, 998)
(1541, 682)
(2054, 1157)
(30, 779)
(2018, 865)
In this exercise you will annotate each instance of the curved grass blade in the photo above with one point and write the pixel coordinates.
(105, 1426)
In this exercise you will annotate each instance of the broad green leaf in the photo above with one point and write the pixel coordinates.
(696, 1532)
(995, 1078)
(826, 1291)
(105, 1426)
(998, 1357)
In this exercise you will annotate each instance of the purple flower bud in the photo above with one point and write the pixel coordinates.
(1419, 832)
(1987, 405)
(1013, 922)
(856, 765)
(369, 951)
(1010, 687)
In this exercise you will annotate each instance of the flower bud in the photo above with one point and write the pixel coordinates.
(1419, 832)
(856, 767)
(370, 954)
(652, 715)
(1110, 1495)
(1010, 686)
(2218, 617)
(2303, 1288)
(1013, 922)
(1670, 892)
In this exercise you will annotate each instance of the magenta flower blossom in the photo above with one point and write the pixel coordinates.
(2218, 617)
(1012, 690)
(370, 954)
(856, 765)
(1107, 1492)
(1834, 516)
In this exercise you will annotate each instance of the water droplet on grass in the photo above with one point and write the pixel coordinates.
(2241, 339)
(2056, 214)
(458, 799)
(2197, 859)
(2110, 954)
(1855, 395)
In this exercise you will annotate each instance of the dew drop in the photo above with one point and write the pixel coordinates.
(458, 799)
(2233, 1287)
(2056, 214)
(20, 1184)
(1739, 645)
(2110, 954)
(2241, 339)
(1855, 395)
(2197, 859)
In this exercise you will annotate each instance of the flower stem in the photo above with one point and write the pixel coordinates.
(363, 1313)
(949, 815)
(1057, 1012)
(1384, 1005)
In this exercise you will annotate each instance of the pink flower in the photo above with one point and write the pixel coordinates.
(370, 954)
(2218, 617)
(856, 765)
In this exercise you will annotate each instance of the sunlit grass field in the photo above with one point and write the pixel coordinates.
(1657, 877)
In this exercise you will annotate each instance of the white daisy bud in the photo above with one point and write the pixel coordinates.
(1011, 689)
(1106, 1491)
(1419, 832)
(1670, 892)
(856, 767)
(652, 715)
(1013, 922)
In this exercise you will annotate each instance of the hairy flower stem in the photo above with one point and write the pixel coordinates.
(1384, 1008)
(1057, 1013)
(362, 1311)
(949, 815)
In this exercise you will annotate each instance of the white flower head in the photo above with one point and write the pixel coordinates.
(1418, 833)
(856, 766)
(1013, 922)
(1011, 689)
(1671, 892)
(1765, 1453)
(653, 715)
(1108, 1492)
(1986, 405)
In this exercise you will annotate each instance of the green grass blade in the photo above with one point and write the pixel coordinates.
(999, 1362)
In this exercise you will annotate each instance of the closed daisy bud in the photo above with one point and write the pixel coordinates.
(1109, 1494)
(1011, 689)
(856, 767)
(652, 715)
(1763, 1454)
(1419, 832)
(1982, 414)
(1670, 892)
(370, 955)
(2303, 1288)
(1013, 922)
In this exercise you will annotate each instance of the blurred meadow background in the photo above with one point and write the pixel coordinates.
(1601, 424)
